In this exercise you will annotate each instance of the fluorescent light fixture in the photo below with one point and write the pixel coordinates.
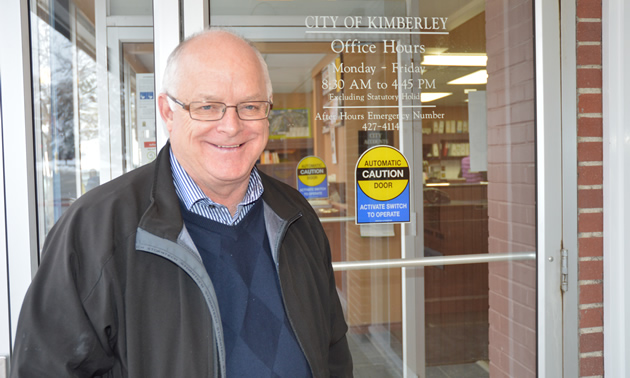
(432, 96)
(468, 90)
(435, 50)
(479, 77)
(466, 60)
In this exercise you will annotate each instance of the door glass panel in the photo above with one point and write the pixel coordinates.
(79, 145)
(452, 87)
(459, 105)
(139, 102)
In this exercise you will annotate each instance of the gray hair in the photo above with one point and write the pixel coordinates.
(170, 79)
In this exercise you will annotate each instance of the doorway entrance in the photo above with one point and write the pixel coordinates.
(452, 88)
(449, 84)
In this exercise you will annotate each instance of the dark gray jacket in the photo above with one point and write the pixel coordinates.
(122, 291)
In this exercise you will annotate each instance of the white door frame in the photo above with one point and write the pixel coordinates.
(167, 30)
(19, 244)
(549, 187)
(116, 36)
(616, 140)
(569, 186)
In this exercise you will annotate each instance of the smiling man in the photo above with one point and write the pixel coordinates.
(216, 145)
(196, 265)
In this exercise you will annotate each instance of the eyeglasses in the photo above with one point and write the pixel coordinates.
(214, 111)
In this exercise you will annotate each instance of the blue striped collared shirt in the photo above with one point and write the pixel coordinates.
(197, 202)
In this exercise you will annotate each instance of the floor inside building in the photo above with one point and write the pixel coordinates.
(456, 348)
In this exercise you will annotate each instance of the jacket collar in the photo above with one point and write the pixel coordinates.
(277, 199)
(163, 217)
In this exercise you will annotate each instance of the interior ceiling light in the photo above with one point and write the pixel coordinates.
(435, 50)
(439, 184)
(479, 77)
(465, 60)
(432, 96)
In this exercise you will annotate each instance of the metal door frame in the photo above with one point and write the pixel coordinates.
(19, 258)
(116, 36)
(616, 160)
(549, 187)
(568, 61)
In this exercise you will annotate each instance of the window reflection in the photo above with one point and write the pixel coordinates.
(75, 148)
(66, 111)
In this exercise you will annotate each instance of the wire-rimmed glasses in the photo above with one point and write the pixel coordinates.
(214, 111)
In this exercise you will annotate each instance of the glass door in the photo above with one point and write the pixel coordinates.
(93, 91)
(451, 291)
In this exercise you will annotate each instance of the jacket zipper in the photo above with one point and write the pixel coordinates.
(157, 250)
(283, 232)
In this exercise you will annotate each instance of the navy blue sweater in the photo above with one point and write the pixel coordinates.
(258, 337)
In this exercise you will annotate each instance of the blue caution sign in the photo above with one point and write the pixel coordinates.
(312, 178)
(382, 193)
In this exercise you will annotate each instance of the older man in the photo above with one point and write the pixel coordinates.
(196, 265)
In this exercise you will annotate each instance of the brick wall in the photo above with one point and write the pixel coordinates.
(590, 188)
(511, 186)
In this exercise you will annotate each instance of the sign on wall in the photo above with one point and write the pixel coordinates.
(145, 94)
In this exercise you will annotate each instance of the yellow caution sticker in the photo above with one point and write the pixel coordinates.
(382, 173)
(311, 171)
(312, 177)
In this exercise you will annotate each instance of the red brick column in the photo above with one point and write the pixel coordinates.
(511, 187)
(590, 187)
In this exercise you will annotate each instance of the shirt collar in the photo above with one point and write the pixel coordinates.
(190, 193)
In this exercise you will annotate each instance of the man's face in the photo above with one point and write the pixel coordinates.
(218, 154)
